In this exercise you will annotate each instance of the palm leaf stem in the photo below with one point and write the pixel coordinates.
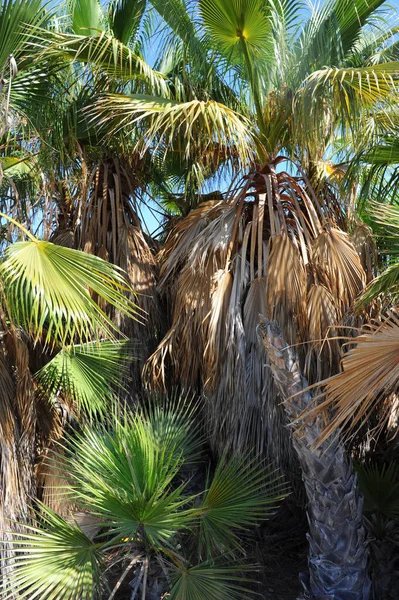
(254, 88)
(21, 227)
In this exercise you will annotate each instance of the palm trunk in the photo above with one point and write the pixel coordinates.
(17, 450)
(337, 549)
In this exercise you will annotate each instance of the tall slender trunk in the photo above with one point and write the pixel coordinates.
(337, 547)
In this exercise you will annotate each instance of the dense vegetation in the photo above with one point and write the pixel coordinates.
(164, 391)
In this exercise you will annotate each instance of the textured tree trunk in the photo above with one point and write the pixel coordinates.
(337, 548)
(17, 450)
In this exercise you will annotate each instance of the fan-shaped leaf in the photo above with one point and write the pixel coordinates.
(47, 290)
(89, 374)
(55, 561)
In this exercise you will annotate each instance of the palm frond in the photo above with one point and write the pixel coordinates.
(233, 22)
(124, 478)
(380, 486)
(15, 15)
(194, 128)
(353, 91)
(370, 375)
(241, 493)
(104, 53)
(54, 561)
(334, 253)
(124, 18)
(174, 423)
(206, 580)
(88, 374)
(87, 17)
(47, 290)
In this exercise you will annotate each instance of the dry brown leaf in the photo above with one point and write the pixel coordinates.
(370, 373)
(335, 255)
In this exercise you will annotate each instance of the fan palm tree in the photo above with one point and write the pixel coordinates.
(57, 171)
(125, 500)
(281, 242)
(338, 565)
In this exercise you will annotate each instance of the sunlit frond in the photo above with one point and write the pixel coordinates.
(87, 17)
(104, 53)
(124, 477)
(47, 289)
(238, 24)
(194, 128)
(353, 89)
(370, 374)
(55, 561)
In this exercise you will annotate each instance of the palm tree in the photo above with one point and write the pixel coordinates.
(126, 500)
(83, 194)
(338, 553)
(280, 241)
(283, 242)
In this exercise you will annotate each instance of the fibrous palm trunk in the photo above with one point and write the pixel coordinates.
(337, 550)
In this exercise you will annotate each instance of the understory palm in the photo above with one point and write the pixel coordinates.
(127, 500)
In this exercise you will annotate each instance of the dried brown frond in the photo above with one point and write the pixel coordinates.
(286, 287)
(217, 331)
(323, 353)
(364, 244)
(206, 229)
(335, 255)
(370, 373)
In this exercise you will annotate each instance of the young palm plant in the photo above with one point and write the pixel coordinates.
(130, 503)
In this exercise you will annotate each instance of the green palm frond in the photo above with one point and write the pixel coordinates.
(380, 486)
(87, 17)
(333, 30)
(15, 15)
(194, 128)
(125, 478)
(89, 374)
(174, 423)
(372, 84)
(242, 30)
(47, 291)
(385, 284)
(124, 18)
(382, 154)
(384, 221)
(104, 53)
(242, 492)
(207, 580)
(236, 22)
(55, 561)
